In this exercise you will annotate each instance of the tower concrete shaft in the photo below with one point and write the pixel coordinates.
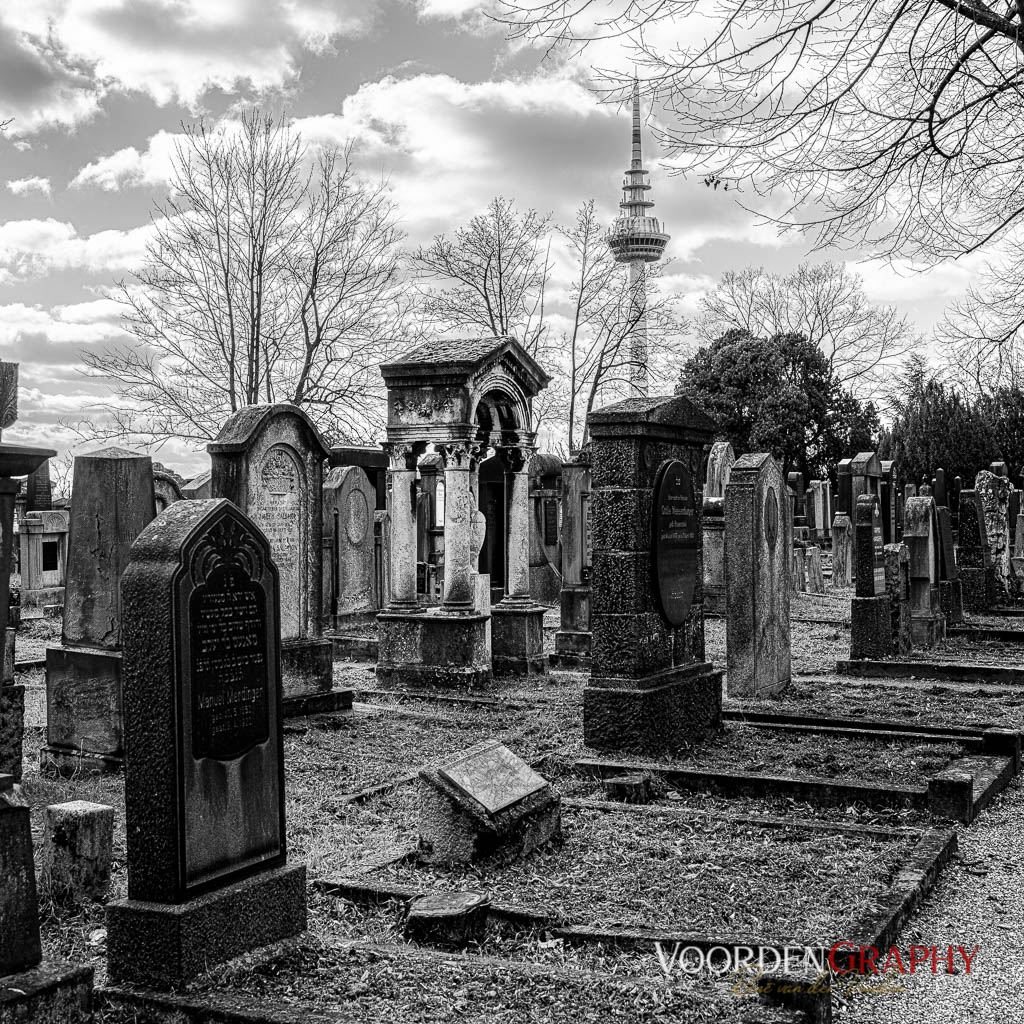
(637, 238)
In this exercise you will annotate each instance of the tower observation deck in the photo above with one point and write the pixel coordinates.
(636, 238)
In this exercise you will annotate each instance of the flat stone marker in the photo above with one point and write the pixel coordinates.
(493, 776)
(485, 801)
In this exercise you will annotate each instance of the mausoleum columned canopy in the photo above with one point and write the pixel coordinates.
(465, 389)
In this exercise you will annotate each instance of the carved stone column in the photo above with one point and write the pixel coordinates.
(402, 480)
(517, 487)
(458, 461)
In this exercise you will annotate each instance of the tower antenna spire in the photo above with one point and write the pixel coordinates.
(637, 238)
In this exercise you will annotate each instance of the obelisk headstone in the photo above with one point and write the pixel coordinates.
(870, 617)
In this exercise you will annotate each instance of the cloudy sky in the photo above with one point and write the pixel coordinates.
(439, 101)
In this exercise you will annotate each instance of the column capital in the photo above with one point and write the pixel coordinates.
(517, 458)
(402, 454)
(460, 454)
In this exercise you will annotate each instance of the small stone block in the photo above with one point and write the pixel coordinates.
(52, 993)
(634, 788)
(448, 918)
(165, 945)
(77, 843)
(1003, 743)
(485, 802)
(951, 795)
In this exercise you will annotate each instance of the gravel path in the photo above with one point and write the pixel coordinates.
(977, 902)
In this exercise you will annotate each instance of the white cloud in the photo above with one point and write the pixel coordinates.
(25, 186)
(128, 167)
(34, 248)
(171, 50)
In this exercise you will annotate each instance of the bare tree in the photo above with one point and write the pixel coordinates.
(489, 276)
(603, 316)
(269, 277)
(983, 333)
(825, 302)
(890, 124)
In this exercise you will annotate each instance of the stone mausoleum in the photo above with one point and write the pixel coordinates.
(470, 401)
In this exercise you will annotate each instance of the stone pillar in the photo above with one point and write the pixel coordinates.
(517, 621)
(720, 462)
(897, 586)
(920, 534)
(573, 639)
(402, 536)
(12, 696)
(993, 491)
(815, 579)
(112, 502)
(457, 595)
(950, 588)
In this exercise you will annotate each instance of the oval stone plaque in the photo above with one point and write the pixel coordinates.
(675, 542)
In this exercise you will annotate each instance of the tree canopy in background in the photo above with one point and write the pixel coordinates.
(270, 277)
(778, 394)
(861, 341)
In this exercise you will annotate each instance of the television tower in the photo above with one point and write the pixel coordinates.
(637, 239)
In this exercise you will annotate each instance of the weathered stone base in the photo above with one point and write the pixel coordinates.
(572, 650)
(871, 627)
(678, 707)
(317, 703)
(164, 946)
(52, 993)
(351, 622)
(951, 600)
(12, 730)
(84, 707)
(307, 667)
(927, 631)
(67, 762)
(433, 648)
(517, 639)
(451, 834)
(902, 634)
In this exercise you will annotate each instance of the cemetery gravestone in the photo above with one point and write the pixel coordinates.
(842, 552)
(199, 487)
(720, 463)
(950, 590)
(815, 577)
(30, 989)
(844, 488)
(39, 490)
(268, 460)
(887, 498)
(920, 534)
(204, 786)
(993, 491)
(350, 591)
(650, 687)
(795, 482)
(870, 622)
(954, 502)
(757, 565)
(485, 802)
(112, 502)
(166, 487)
(43, 545)
(974, 559)
(897, 586)
(573, 639)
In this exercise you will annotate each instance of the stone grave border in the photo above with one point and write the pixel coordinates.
(878, 927)
(958, 671)
(1002, 636)
(231, 1008)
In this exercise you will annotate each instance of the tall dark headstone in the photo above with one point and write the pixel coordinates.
(111, 503)
(204, 785)
(795, 481)
(650, 688)
(974, 561)
(887, 498)
(38, 489)
(939, 490)
(921, 535)
(954, 502)
(268, 460)
(871, 621)
(844, 489)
